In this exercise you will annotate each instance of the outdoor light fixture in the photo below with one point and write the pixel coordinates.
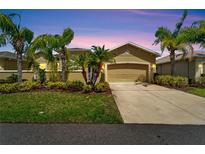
(1, 68)
(200, 66)
(153, 66)
(42, 66)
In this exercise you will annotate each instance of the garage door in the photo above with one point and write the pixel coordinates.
(127, 72)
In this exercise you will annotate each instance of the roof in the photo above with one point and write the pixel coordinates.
(79, 50)
(7, 54)
(138, 46)
(166, 59)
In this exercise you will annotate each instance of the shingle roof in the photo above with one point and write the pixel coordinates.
(7, 54)
(138, 46)
(166, 59)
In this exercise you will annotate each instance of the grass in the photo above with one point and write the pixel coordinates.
(197, 91)
(58, 107)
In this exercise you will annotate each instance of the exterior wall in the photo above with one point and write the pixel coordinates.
(182, 68)
(128, 53)
(75, 75)
(199, 70)
(7, 64)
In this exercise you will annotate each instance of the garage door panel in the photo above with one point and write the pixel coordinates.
(127, 72)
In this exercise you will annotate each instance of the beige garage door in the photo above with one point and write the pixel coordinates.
(127, 72)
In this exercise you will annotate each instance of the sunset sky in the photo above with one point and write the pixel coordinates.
(99, 27)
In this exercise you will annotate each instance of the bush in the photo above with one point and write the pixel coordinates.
(42, 75)
(59, 85)
(75, 85)
(3, 81)
(87, 89)
(172, 81)
(8, 88)
(12, 78)
(27, 86)
(102, 87)
(200, 82)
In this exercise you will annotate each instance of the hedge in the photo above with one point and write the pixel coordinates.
(172, 81)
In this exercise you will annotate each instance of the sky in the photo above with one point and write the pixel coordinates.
(104, 27)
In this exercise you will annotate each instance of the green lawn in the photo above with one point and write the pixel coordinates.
(197, 91)
(58, 107)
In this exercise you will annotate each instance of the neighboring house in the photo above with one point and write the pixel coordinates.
(132, 62)
(191, 66)
(8, 64)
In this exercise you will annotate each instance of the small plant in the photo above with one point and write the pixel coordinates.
(12, 78)
(59, 85)
(27, 86)
(200, 82)
(102, 87)
(8, 88)
(75, 85)
(172, 81)
(87, 89)
(42, 75)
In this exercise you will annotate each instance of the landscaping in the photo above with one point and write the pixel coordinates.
(58, 107)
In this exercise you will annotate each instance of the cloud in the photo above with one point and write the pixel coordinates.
(112, 40)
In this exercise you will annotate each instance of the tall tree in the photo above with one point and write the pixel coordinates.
(16, 35)
(173, 41)
(82, 61)
(98, 56)
(194, 34)
(49, 43)
(62, 41)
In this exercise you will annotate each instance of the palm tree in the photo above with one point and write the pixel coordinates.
(61, 43)
(16, 35)
(49, 43)
(194, 34)
(173, 41)
(82, 61)
(97, 58)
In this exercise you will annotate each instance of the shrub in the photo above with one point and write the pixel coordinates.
(75, 85)
(42, 75)
(27, 86)
(3, 81)
(200, 82)
(12, 78)
(59, 85)
(8, 88)
(87, 89)
(172, 81)
(102, 87)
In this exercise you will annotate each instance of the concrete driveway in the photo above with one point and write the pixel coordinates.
(154, 104)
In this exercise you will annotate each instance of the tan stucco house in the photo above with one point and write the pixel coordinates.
(132, 62)
(191, 66)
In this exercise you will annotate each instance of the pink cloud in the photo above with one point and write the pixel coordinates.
(143, 39)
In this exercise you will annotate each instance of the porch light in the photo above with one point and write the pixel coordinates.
(42, 66)
(1, 68)
(200, 66)
(153, 66)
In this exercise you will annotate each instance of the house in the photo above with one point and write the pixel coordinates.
(132, 62)
(8, 65)
(190, 66)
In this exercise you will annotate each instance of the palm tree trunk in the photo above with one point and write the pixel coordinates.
(172, 61)
(64, 67)
(19, 66)
(84, 75)
(98, 73)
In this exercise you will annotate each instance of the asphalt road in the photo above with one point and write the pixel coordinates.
(99, 134)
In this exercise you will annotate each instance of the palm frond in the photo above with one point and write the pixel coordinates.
(180, 23)
(27, 34)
